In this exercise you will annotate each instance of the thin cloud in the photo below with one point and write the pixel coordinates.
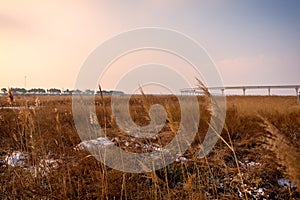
(9, 22)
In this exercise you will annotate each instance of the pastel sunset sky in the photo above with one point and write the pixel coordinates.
(251, 42)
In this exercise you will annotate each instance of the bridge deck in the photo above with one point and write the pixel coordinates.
(244, 88)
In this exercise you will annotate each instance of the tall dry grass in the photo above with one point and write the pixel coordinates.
(10, 97)
(286, 153)
(237, 167)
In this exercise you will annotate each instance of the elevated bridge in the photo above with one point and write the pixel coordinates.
(195, 91)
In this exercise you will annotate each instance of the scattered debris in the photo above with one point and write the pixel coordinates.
(21, 159)
(45, 166)
(17, 158)
(99, 142)
(283, 182)
(249, 164)
(256, 193)
(181, 159)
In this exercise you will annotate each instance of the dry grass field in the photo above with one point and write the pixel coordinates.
(256, 157)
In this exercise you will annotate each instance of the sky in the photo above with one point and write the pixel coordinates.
(251, 42)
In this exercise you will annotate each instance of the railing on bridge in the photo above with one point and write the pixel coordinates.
(196, 91)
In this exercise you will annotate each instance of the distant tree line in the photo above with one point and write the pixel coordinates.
(55, 91)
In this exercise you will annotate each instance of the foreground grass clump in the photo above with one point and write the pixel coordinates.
(256, 156)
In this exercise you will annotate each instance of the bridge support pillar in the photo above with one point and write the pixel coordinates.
(244, 91)
(298, 94)
(269, 91)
